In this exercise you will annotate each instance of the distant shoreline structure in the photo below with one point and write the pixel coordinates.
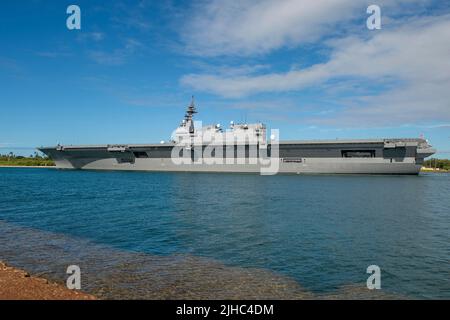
(438, 170)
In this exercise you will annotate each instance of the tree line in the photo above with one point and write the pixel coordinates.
(36, 159)
(443, 164)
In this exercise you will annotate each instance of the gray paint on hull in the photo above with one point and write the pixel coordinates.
(309, 167)
(313, 157)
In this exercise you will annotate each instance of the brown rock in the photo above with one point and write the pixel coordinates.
(16, 284)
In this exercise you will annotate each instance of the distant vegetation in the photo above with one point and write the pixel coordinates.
(442, 164)
(33, 160)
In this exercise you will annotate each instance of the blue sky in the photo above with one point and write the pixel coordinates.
(309, 68)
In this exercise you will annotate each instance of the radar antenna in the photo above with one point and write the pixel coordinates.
(189, 114)
(190, 110)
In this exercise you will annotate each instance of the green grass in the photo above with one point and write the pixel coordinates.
(36, 160)
(443, 164)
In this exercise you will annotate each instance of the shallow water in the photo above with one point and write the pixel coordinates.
(175, 235)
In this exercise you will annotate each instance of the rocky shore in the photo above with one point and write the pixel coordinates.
(16, 284)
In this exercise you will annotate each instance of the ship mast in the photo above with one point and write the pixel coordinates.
(189, 114)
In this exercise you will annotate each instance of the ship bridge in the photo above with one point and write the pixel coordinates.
(239, 133)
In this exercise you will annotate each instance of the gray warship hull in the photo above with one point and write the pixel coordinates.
(378, 156)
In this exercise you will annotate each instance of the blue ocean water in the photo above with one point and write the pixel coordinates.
(321, 231)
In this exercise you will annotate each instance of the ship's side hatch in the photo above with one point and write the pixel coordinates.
(358, 153)
(397, 154)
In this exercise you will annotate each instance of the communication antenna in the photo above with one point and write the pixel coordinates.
(189, 114)
(190, 110)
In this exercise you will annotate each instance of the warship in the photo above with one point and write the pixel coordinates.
(247, 148)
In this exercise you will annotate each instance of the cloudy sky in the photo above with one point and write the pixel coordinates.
(309, 68)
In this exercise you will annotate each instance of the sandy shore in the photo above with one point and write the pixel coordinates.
(434, 170)
(17, 284)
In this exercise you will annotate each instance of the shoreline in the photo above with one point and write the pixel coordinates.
(430, 170)
(15, 166)
(114, 274)
(16, 284)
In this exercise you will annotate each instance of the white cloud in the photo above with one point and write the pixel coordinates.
(245, 84)
(117, 56)
(5, 144)
(412, 60)
(257, 26)
(93, 36)
(249, 27)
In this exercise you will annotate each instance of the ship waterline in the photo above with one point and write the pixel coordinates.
(244, 148)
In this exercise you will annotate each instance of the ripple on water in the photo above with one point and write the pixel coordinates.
(319, 231)
(115, 274)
